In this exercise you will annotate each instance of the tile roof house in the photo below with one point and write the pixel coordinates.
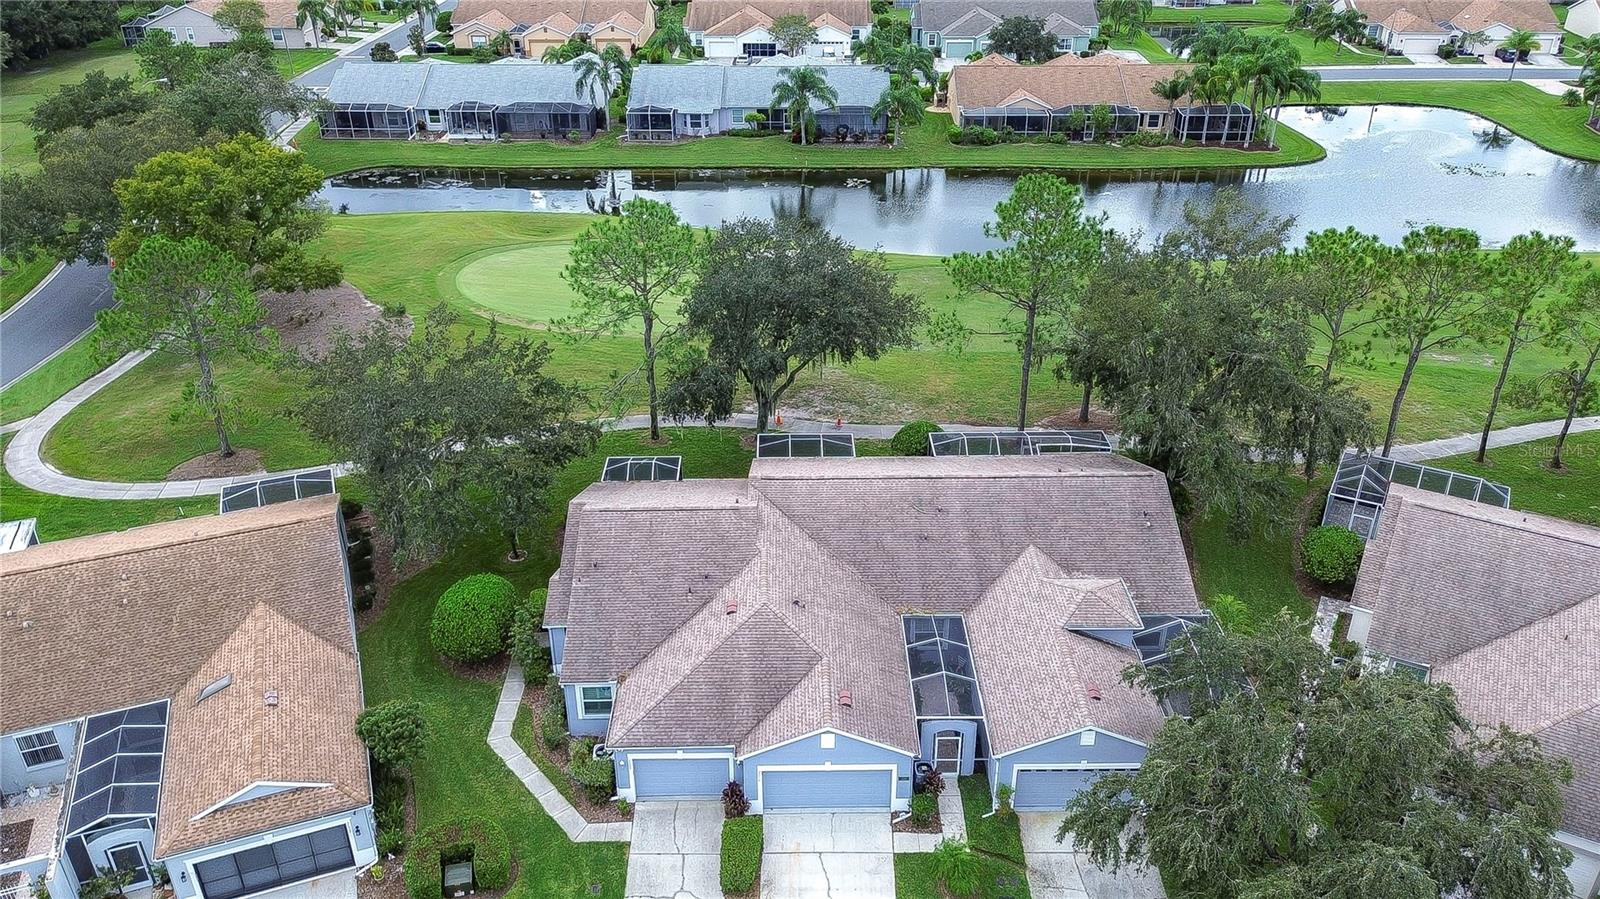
(957, 28)
(186, 694)
(819, 627)
(1422, 26)
(461, 102)
(669, 102)
(733, 28)
(1505, 607)
(537, 25)
(195, 23)
(996, 92)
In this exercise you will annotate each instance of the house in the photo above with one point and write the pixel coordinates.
(1583, 18)
(669, 102)
(185, 695)
(133, 29)
(1421, 26)
(535, 26)
(459, 102)
(1505, 607)
(18, 535)
(816, 630)
(957, 28)
(1059, 96)
(193, 23)
(732, 28)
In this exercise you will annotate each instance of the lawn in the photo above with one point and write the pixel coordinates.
(997, 841)
(1527, 111)
(45, 384)
(20, 93)
(927, 144)
(1264, 12)
(292, 63)
(18, 279)
(1465, 61)
(1146, 46)
(1572, 493)
(1258, 570)
(63, 517)
(1328, 53)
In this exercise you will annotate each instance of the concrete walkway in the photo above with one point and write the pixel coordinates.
(952, 823)
(1468, 443)
(676, 851)
(555, 805)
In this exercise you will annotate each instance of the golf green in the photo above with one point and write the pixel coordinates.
(524, 284)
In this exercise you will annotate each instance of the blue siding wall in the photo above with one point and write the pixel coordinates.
(593, 727)
(619, 759)
(16, 777)
(1069, 750)
(558, 646)
(364, 846)
(969, 739)
(847, 750)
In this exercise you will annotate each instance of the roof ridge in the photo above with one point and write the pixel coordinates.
(860, 578)
(1583, 598)
(1512, 518)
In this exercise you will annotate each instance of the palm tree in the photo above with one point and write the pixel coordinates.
(571, 49)
(426, 10)
(671, 39)
(500, 44)
(597, 79)
(798, 89)
(1349, 26)
(352, 10)
(1172, 90)
(621, 65)
(1124, 18)
(901, 102)
(314, 12)
(909, 61)
(1588, 49)
(1518, 42)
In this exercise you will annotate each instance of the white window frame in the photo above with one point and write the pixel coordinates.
(144, 863)
(189, 34)
(1152, 119)
(277, 34)
(54, 743)
(582, 702)
(933, 38)
(698, 38)
(435, 117)
(479, 40)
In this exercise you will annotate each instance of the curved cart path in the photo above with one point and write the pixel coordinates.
(24, 462)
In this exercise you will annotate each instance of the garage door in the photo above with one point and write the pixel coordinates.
(826, 789)
(679, 778)
(1045, 790)
(957, 49)
(1420, 46)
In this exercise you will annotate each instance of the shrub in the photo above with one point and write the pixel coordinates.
(956, 866)
(553, 726)
(624, 806)
(596, 776)
(1571, 97)
(923, 807)
(383, 52)
(1331, 554)
(527, 633)
(441, 22)
(394, 732)
(470, 621)
(389, 801)
(482, 54)
(933, 784)
(912, 439)
(574, 136)
(391, 842)
(734, 803)
(481, 840)
(377, 873)
(1147, 139)
(879, 7)
(1230, 612)
(1002, 796)
(1446, 51)
(741, 854)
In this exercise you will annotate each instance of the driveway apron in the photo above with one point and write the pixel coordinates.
(827, 855)
(676, 851)
(1056, 871)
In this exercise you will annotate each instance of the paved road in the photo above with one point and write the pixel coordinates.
(61, 311)
(1445, 73)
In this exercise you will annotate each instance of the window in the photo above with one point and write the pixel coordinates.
(694, 120)
(699, 39)
(277, 34)
(855, 34)
(39, 749)
(281, 862)
(130, 858)
(594, 701)
(189, 35)
(1152, 120)
(1086, 738)
(435, 117)
(933, 38)
(1420, 672)
(479, 40)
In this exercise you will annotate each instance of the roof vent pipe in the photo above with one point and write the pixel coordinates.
(270, 698)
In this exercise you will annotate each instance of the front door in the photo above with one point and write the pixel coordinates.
(130, 857)
(947, 752)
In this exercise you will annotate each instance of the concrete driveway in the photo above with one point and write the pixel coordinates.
(827, 855)
(1055, 871)
(676, 852)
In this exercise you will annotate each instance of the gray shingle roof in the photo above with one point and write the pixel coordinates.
(819, 559)
(945, 16)
(711, 87)
(442, 85)
(1505, 607)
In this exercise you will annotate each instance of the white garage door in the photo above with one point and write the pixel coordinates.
(1419, 45)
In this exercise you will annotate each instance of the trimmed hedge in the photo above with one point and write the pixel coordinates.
(471, 619)
(741, 854)
(527, 632)
(912, 440)
(483, 840)
(1332, 554)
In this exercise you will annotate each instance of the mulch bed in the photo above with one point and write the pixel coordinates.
(213, 465)
(1099, 420)
(595, 813)
(14, 839)
(905, 825)
(308, 322)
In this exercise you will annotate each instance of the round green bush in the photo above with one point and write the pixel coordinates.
(912, 440)
(1332, 554)
(470, 622)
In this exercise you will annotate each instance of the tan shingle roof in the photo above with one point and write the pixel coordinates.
(820, 558)
(704, 14)
(160, 612)
(1505, 606)
(1068, 81)
(494, 20)
(280, 13)
(746, 18)
(534, 12)
(1465, 15)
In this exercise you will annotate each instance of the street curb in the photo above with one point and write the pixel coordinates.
(34, 292)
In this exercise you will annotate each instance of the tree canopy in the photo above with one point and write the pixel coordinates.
(793, 32)
(1024, 39)
(1294, 779)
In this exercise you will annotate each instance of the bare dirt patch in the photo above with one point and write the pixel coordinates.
(308, 322)
(1099, 420)
(214, 465)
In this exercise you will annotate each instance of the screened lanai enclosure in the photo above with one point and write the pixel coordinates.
(113, 799)
(1361, 485)
(1076, 121)
(377, 121)
(520, 121)
(1230, 124)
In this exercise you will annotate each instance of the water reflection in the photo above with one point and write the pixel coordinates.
(1388, 169)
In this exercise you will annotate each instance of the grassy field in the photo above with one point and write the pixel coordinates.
(63, 517)
(1572, 493)
(292, 63)
(925, 145)
(1146, 46)
(1328, 53)
(1527, 111)
(997, 841)
(1264, 12)
(21, 92)
(45, 384)
(21, 278)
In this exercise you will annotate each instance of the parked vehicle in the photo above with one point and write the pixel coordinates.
(435, 47)
(1505, 55)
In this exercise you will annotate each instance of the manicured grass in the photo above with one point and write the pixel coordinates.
(20, 93)
(19, 278)
(996, 840)
(996, 835)
(45, 384)
(1146, 47)
(1258, 569)
(1328, 53)
(1572, 492)
(927, 144)
(1265, 12)
(1527, 111)
(1464, 61)
(64, 517)
(291, 63)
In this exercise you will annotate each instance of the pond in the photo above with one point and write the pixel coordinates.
(1388, 169)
